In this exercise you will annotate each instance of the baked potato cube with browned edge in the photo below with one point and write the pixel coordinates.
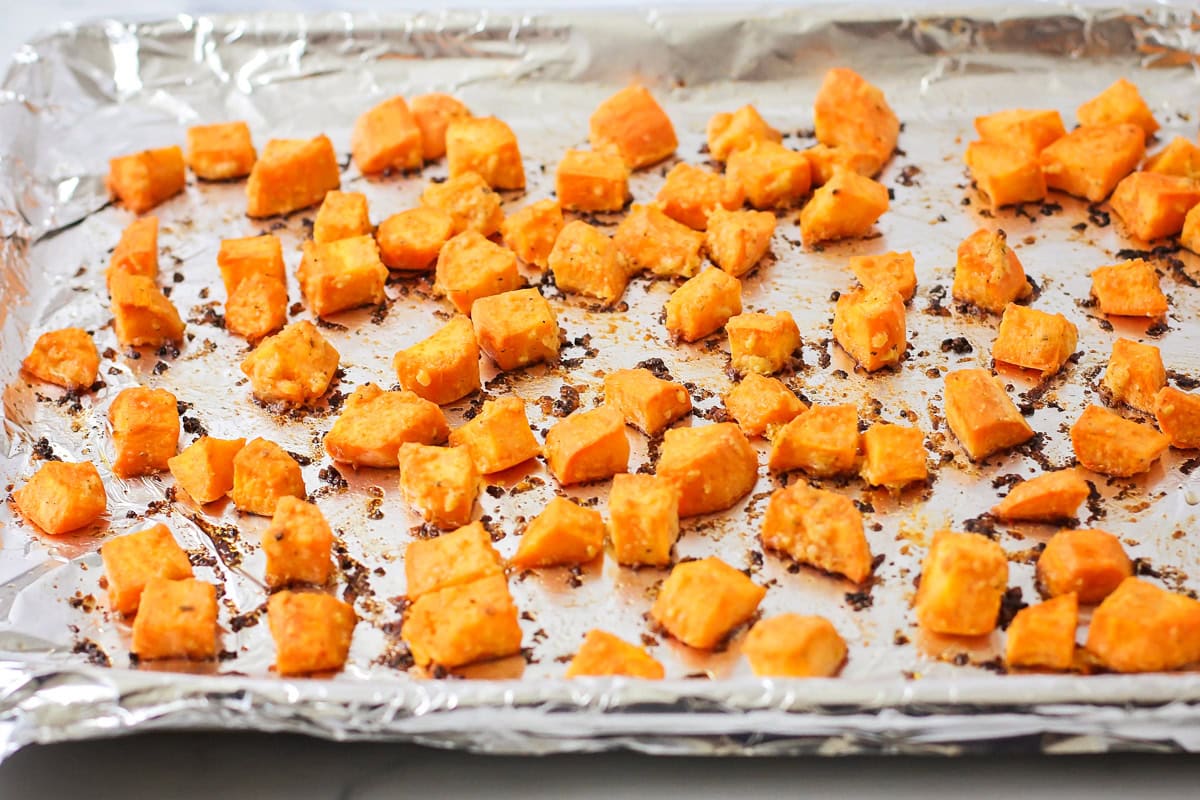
(1050, 497)
(649, 240)
(204, 469)
(1030, 131)
(463, 624)
(648, 403)
(441, 483)
(1107, 443)
(760, 405)
(823, 441)
(238, 259)
(532, 232)
(893, 455)
(295, 366)
(584, 261)
(443, 367)
(603, 654)
(220, 152)
(1120, 103)
(633, 125)
(516, 329)
(257, 308)
(714, 466)
(853, 114)
(870, 325)
(62, 497)
(690, 194)
(488, 147)
(564, 534)
(587, 446)
(819, 528)
(982, 415)
(794, 646)
(1032, 339)
(963, 578)
(141, 181)
(291, 174)
(702, 602)
(703, 304)
(342, 215)
(1090, 161)
(65, 357)
(895, 271)
(1181, 157)
(643, 519)
(1005, 175)
(461, 556)
(298, 545)
(498, 437)
(1142, 628)
(1134, 374)
(737, 240)
(987, 273)
(341, 275)
(177, 620)
(374, 423)
(263, 473)
(728, 133)
(1129, 289)
(470, 266)
(142, 314)
(1087, 563)
(433, 113)
(770, 175)
(846, 207)
(130, 561)
(411, 240)
(762, 343)
(587, 180)
(136, 251)
(1152, 205)
(387, 137)
(1178, 416)
(312, 631)
(145, 431)
(1042, 636)
(469, 201)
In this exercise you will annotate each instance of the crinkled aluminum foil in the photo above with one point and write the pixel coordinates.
(84, 93)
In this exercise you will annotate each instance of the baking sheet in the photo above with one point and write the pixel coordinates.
(82, 94)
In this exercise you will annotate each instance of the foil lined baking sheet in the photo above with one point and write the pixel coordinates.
(75, 97)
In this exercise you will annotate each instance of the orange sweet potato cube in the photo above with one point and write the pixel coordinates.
(412, 239)
(1087, 563)
(824, 161)
(312, 631)
(1178, 416)
(469, 201)
(443, 367)
(292, 367)
(374, 423)
(532, 232)
(988, 274)
(981, 414)
(762, 343)
(62, 496)
(1181, 157)
(963, 579)
(452, 559)
(690, 194)
(137, 250)
(702, 602)
(470, 266)
(893, 455)
(263, 474)
(1043, 635)
(463, 624)
(1153, 205)
(387, 137)
(587, 180)
(564, 534)
(1107, 443)
(1142, 628)
(648, 403)
(342, 215)
(142, 314)
(341, 275)
(1049, 497)
(587, 446)
(845, 207)
(647, 239)
(1129, 289)
(298, 545)
(794, 646)
(1134, 374)
(603, 654)
(130, 561)
(820, 528)
(728, 133)
(895, 271)
(1005, 174)
(760, 404)
(204, 469)
(290, 175)
(141, 181)
(65, 357)
(823, 441)
(1190, 236)
(770, 175)
(737, 240)
(633, 125)
(238, 259)
(1033, 339)
(220, 152)
(498, 437)
(433, 113)
(176, 619)
(145, 430)
(703, 304)
(849, 112)
(644, 519)
(1089, 161)
(1119, 103)
(441, 483)
(487, 147)
(257, 308)
(870, 326)
(714, 466)
(584, 261)
(1028, 131)
(516, 329)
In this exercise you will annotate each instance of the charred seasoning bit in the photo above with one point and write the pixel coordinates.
(657, 367)
(300, 459)
(193, 426)
(83, 602)
(567, 402)
(1185, 382)
(207, 314)
(860, 600)
(958, 345)
(1010, 604)
(1006, 481)
(201, 558)
(331, 477)
(984, 524)
(937, 298)
(247, 619)
(1096, 509)
(1189, 466)
(92, 652)
(1098, 216)
(355, 573)
(42, 449)
(575, 576)
(168, 350)
(225, 539)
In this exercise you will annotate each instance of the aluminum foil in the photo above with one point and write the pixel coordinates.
(81, 94)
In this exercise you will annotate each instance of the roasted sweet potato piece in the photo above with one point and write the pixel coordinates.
(988, 273)
(893, 455)
(488, 147)
(1028, 131)
(257, 308)
(443, 367)
(532, 232)
(603, 654)
(141, 181)
(145, 430)
(1135, 373)
(820, 528)
(498, 437)
(204, 469)
(587, 180)
(762, 343)
(238, 259)
(823, 441)
(1089, 161)
(845, 207)
(981, 414)
(1112, 445)
(648, 403)
(1033, 339)
(714, 466)
(647, 239)
(133, 559)
(341, 275)
(564, 534)
(794, 646)
(374, 423)
(294, 366)
(452, 559)
(584, 261)
(469, 201)
(220, 152)
(690, 194)
(1190, 236)
(470, 266)
(737, 240)
(298, 545)
(1142, 628)
(1129, 289)
(136, 251)
(1153, 205)
(587, 446)
(870, 326)
(312, 631)
(463, 624)
(65, 357)
(1043, 635)
(730, 132)
(516, 329)
(441, 483)
(1118, 104)
(895, 271)
(142, 314)
(703, 304)
(411, 240)
(632, 124)
(342, 215)
(770, 175)
(1087, 563)
(263, 474)
(291, 174)
(760, 404)
(702, 602)
(1049, 497)
(62, 496)
(644, 519)
(433, 113)
(387, 137)
(824, 161)
(1181, 157)
(176, 619)
(851, 113)
(1178, 415)
(962, 580)
(1006, 175)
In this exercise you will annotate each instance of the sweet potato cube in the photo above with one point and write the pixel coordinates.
(290, 175)
(646, 402)
(204, 469)
(341, 275)
(62, 496)
(443, 367)
(647, 239)
(470, 266)
(487, 147)
(257, 308)
(714, 466)
(794, 646)
(65, 357)
(263, 474)
(823, 441)
(820, 528)
(469, 201)
(1118, 104)
(1006, 175)
(870, 326)
(342, 215)
(411, 240)
(1190, 236)
(588, 446)
(441, 483)
(584, 260)
(825, 161)
(770, 175)
(1181, 157)
(737, 240)
(145, 430)
(312, 631)
(587, 180)
(845, 207)
(895, 271)
(142, 314)
(298, 545)
(703, 304)
(849, 112)
(1178, 416)
(220, 152)
(1043, 635)
(603, 654)
(633, 125)
(141, 181)
(728, 133)
(498, 437)
(133, 559)
(762, 343)
(893, 455)
(176, 619)
(387, 137)
(1087, 563)
(1033, 339)
(461, 556)
(760, 404)
(1142, 628)
(702, 602)
(1089, 161)
(1135, 373)
(1028, 131)
(238, 259)
(564, 534)
(1153, 205)
(1107, 443)
(433, 113)
(532, 232)
(644, 519)
(293, 367)
(981, 414)
(962, 580)
(1049, 497)
(137, 250)
(988, 274)
(374, 423)
(463, 624)
(516, 329)
(1129, 289)
(690, 194)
